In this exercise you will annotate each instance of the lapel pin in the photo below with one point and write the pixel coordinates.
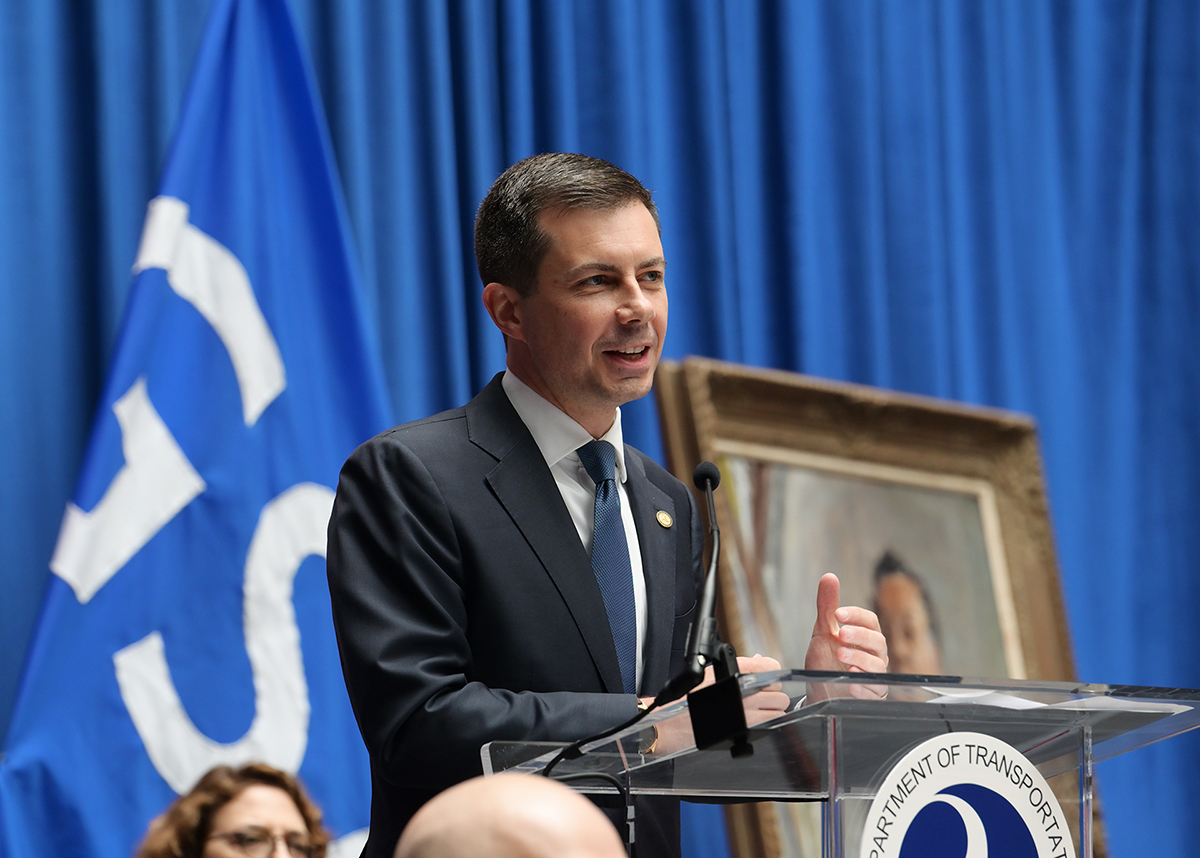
(664, 518)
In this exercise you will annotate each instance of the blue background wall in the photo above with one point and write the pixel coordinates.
(994, 202)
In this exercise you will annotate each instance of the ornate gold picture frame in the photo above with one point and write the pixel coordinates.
(819, 476)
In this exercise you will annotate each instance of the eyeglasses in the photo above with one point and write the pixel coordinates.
(256, 842)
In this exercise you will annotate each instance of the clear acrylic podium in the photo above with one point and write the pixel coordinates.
(836, 749)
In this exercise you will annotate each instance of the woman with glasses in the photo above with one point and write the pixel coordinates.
(254, 811)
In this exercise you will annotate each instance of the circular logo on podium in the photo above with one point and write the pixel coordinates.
(965, 795)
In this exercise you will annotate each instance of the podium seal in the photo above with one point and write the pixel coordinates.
(966, 795)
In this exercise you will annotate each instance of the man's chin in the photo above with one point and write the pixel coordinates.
(630, 389)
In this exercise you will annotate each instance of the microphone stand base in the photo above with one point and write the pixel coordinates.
(718, 718)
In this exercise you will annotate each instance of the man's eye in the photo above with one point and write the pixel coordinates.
(653, 276)
(595, 280)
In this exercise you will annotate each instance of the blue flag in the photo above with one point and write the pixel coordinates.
(187, 622)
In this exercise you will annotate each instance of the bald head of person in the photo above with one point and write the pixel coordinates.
(509, 816)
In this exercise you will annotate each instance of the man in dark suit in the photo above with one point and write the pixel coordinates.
(465, 601)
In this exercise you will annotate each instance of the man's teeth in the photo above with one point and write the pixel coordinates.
(636, 351)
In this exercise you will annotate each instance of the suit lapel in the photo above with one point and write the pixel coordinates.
(657, 540)
(526, 488)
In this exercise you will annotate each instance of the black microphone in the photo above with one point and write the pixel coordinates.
(718, 719)
(706, 477)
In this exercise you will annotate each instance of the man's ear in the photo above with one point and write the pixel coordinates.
(504, 306)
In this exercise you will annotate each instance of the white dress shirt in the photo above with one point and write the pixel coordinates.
(558, 437)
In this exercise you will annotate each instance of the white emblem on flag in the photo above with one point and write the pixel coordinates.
(291, 528)
(210, 278)
(154, 484)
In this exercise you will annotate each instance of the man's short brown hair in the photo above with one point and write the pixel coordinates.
(509, 241)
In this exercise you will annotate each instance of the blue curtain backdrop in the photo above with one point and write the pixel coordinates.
(995, 202)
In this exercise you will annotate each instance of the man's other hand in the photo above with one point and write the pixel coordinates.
(846, 639)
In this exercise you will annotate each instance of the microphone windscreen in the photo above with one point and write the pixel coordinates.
(706, 472)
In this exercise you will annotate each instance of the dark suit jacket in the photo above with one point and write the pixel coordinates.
(466, 609)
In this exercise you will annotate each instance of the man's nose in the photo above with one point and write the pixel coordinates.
(635, 305)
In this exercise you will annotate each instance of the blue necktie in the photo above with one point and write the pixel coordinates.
(610, 558)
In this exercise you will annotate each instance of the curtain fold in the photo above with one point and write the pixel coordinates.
(992, 202)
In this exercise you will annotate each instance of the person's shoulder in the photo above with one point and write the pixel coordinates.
(419, 436)
(439, 436)
(435, 424)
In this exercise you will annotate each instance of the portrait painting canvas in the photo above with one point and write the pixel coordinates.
(921, 549)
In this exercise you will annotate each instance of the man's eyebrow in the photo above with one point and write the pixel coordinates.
(652, 262)
(589, 266)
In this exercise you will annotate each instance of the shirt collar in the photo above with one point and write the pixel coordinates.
(556, 434)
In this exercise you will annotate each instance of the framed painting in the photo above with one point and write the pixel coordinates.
(932, 513)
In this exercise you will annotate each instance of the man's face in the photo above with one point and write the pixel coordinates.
(589, 336)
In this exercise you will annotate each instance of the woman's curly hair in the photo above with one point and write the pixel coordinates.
(183, 828)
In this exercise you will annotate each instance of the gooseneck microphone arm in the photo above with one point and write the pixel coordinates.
(718, 718)
(705, 641)
(702, 642)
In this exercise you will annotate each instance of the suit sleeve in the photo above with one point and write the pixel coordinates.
(400, 594)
